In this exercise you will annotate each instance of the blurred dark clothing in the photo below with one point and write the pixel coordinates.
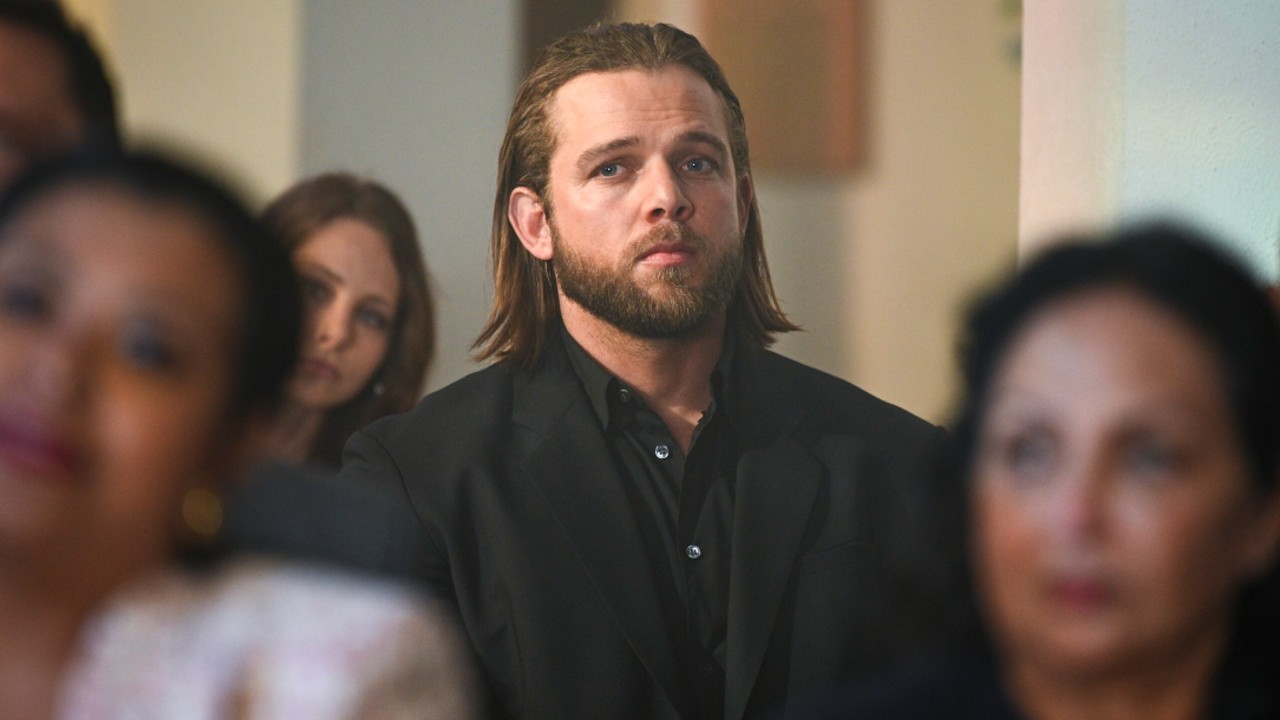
(973, 690)
(935, 690)
(307, 514)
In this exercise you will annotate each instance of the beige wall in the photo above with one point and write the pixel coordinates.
(219, 80)
(1072, 118)
(934, 216)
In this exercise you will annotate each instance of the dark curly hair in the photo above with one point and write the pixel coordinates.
(1179, 270)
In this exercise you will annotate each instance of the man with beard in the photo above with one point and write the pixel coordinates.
(637, 509)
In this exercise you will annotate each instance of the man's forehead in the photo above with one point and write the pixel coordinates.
(629, 92)
(667, 81)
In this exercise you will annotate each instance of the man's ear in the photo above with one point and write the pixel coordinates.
(529, 218)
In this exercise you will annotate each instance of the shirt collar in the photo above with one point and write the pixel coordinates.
(601, 385)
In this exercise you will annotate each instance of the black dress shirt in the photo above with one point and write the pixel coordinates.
(684, 505)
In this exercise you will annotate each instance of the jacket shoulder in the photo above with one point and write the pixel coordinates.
(452, 414)
(838, 405)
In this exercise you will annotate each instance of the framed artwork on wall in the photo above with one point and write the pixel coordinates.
(798, 66)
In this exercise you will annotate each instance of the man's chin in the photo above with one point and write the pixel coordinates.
(663, 321)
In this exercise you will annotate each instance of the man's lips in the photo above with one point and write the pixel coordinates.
(667, 253)
(34, 448)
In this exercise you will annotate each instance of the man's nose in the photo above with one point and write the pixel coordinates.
(666, 195)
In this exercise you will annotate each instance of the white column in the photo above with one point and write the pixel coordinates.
(416, 94)
(1133, 108)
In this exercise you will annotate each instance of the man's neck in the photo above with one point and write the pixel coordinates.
(671, 375)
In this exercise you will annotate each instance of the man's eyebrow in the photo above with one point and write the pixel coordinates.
(593, 154)
(702, 136)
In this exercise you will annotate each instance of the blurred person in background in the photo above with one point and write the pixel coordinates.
(1120, 434)
(148, 327)
(370, 328)
(55, 95)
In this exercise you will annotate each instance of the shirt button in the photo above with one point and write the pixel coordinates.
(624, 395)
(662, 452)
(693, 552)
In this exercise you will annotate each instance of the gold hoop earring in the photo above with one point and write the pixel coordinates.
(202, 513)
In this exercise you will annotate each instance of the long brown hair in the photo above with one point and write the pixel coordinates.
(295, 217)
(526, 306)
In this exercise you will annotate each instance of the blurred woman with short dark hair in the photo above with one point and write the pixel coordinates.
(1120, 436)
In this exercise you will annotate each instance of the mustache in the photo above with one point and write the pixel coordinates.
(667, 235)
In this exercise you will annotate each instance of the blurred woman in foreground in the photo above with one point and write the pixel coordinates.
(370, 328)
(1120, 434)
(147, 328)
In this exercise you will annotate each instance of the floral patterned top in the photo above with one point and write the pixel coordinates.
(265, 640)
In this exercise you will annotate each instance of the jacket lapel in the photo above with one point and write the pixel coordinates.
(575, 472)
(775, 494)
(776, 486)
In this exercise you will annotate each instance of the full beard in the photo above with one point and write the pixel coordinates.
(674, 305)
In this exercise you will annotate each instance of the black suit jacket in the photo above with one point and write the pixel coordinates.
(845, 557)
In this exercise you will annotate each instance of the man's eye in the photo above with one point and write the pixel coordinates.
(699, 165)
(610, 170)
